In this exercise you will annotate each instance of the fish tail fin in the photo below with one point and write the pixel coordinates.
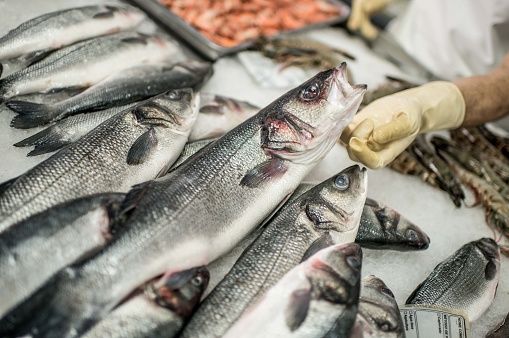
(45, 141)
(31, 114)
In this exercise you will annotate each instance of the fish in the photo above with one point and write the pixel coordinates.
(382, 227)
(317, 298)
(131, 147)
(159, 311)
(466, 281)
(220, 114)
(199, 211)
(123, 87)
(86, 63)
(378, 315)
(35, 38)
(35, 249)
(327, 214)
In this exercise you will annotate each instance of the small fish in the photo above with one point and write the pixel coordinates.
(131, 147)
(465, 281)
(327, 214)
(86, 63)
(317, 298)
(35, 249)
(384, 228)
(200, 210)
(378, 315)
(123, 87)
(35, 38)
(158, 312)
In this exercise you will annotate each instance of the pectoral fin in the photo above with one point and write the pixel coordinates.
(322, 242)
(297, 308)
(264, 172)
(142, 148)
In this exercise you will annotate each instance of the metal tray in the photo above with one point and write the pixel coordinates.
(204, 46)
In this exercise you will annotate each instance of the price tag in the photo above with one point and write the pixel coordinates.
(434, 322)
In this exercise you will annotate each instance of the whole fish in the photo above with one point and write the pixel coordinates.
(35, 249)
(384, 228)
(158, 312)
(121, 88)
(378, 315)
(129, 148)
(200, 210)
(35, 38)
(466, 281)
(86, 63)
(328, 213)
(317, 298)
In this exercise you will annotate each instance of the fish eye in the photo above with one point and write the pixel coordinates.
(411, 235)
(197, 281)
(174, 95)
(387, 292)
(353, 262)
(311, 92)
(341, 182)
(385, 326)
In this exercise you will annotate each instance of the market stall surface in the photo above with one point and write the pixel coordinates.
(447, 226)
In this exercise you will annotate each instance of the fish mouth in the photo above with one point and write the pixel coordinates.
(343, 87)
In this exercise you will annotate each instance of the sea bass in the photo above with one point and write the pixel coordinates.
(131, 147)
(121, 88)
(33, 250)
(465, 281)
(317, 298)
(378, 315)
(35, 38)
(86, 63)
(325, 215)
(158, 312)
(200, 210)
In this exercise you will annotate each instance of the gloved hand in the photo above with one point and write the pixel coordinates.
(387, 126)
(360, 15)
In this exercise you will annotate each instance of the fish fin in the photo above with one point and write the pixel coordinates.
(297, 308)
(70, 91)
(5, 185)
(104, 15)
(130, 202)
(142, 147)
(262, 173)
(371, 203)
(44, 141)
(42, 149)
(324, 241)
(212, 109)
(33, 57)
(31, 114)
(140, 40)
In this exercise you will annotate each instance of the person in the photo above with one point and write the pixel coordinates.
(475, 67)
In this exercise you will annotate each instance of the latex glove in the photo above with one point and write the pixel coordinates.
(360, 16)
(387, 126)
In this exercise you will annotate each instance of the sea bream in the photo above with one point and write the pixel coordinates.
(131, 147)
(465, 281)
(200, 210)
(159, 311)
(317, 298)
(37, 37)
(33, 250)
(121, 88)
(325, 215)
(88, 62)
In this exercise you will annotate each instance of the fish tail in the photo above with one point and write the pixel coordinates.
(31, 114)
(45, 141)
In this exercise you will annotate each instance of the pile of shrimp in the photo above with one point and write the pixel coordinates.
(231, 22)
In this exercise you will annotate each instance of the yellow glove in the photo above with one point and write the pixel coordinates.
(387, 126)
(360, 15)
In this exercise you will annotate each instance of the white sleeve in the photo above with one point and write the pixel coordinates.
(454, 38)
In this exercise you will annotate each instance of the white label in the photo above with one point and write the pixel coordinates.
(434, 322)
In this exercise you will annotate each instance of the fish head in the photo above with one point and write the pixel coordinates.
(180, 292)
(334, 274)
(175, 109)
(303, 124)
(335, 205)
(378, 310)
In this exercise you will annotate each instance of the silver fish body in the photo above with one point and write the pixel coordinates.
(121, 88)
(317, 298)
(160, 311)
(329, 213)
(378, 315)
(36, 37)
(384, 228)
(88, 62)
(35, 249)
(466, 281)
(204, 207)
(131, 147)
